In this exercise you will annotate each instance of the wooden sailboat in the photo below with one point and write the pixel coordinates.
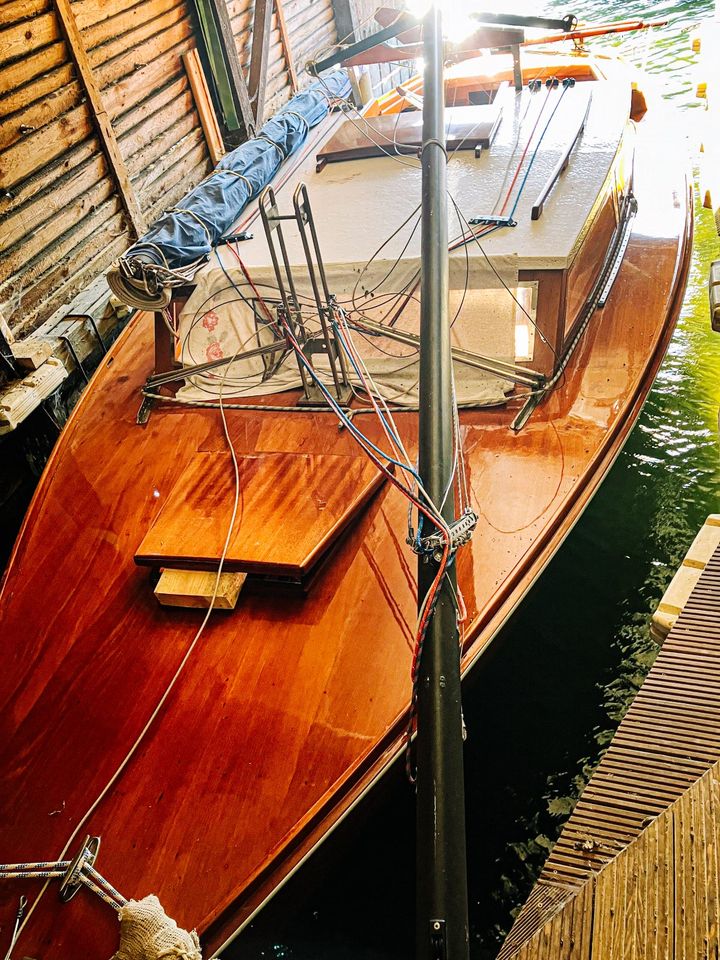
(212, 761)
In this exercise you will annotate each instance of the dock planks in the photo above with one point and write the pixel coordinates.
(642, 842)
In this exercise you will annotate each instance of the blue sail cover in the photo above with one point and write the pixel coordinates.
(189, 231)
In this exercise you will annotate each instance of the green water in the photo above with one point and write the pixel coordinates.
(542, 708)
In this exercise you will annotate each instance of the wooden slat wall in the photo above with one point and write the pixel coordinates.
(62, 220)
(311, 31)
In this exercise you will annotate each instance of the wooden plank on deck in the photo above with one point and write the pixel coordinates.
(293, 507)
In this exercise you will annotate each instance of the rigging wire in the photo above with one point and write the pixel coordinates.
(416, 495)
(421, 501)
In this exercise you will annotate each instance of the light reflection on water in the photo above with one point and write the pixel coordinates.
(545, 705)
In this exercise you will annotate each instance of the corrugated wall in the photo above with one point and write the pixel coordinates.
(62, 219)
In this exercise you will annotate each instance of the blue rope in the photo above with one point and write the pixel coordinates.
(379, 412)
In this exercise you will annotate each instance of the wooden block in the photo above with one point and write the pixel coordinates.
(195, 588)
(21, 397)
(31, 353)
(674, 600)
(678, 593)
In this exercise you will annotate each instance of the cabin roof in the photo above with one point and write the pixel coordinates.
(359, 203)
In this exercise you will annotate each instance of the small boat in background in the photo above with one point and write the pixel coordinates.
(278, 393)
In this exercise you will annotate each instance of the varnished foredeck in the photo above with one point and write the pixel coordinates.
(289, 707)
(635, 873)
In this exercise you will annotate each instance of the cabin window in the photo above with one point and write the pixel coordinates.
(525, 318)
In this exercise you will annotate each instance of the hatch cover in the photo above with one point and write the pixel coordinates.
(292, 509)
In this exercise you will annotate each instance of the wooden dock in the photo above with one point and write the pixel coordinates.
(636, 870)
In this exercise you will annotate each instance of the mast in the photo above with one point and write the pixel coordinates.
(442, 914)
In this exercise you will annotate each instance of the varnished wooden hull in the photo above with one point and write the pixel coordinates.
(290, 707)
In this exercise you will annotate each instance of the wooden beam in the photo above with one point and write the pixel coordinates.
(18, 399)
(204, 105)
(214, 16)
(344, 21)
(196, 588)
(285, 42)
(257, 80)
(102, 121)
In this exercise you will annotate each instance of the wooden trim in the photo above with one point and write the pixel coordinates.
(285, 43)
(100, 117)
(165, 359)
(583, 273)
(257, 80)
(204, 105)
(549, 317)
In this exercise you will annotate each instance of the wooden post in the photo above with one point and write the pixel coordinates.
(102, 121)
(285, 42)
(216, 11)
(262, 19)
(344, 21)
(165, 359)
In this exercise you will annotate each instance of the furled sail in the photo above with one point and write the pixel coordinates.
(182, 239)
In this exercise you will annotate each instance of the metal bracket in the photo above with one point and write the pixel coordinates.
(461, 531)
(714, 295)
(73, 352)
(79, 317)
(245, 235)
(69, 885)
(143, 414)
(491, 221)
(324, 302)
(526, 410)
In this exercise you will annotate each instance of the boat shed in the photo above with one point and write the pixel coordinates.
(109, 113)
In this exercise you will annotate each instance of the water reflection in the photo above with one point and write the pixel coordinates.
(629, 544)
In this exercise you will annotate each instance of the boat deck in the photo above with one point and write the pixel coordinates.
(635, 872)
(386, 189)
(292, 706)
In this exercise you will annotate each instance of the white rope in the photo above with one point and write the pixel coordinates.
(261, 136)
(294, 113)
(242, 177)
(84, 873)
(168, 690)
